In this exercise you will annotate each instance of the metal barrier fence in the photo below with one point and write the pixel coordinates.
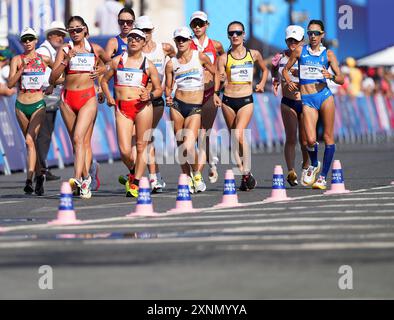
(358, 120)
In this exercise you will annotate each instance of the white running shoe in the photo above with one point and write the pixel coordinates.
(199, 184)
(303, 174)
(75, 185)
(320, 183)
(312, 174)
(213, 174)
(86, 192)
(156, 186)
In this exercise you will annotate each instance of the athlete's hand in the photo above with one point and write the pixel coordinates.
(144, 95)
(292, 86)
(48, 90)
(101, 97)
(275, 87)
(294, 72)
(169, 101)
(111, 102)
(217, 101)
(71, 54)
(326, 74)
(260, 87)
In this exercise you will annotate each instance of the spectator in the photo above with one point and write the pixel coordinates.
(107, 17)
(383, 83)
(355, 78)
(368, 84)
(5, 58)
(55, 35)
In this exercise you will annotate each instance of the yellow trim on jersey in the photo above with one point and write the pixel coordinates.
(232, 62)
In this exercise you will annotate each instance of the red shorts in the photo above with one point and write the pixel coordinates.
(208, 94)
(76, 99)
(130, 108)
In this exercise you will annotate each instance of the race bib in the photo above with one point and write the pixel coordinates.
(242, 73)
(33, 80)
(82, 62)
(129, 77)
(311, 72)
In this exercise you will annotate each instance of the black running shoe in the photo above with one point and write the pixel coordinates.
(39, 190)
(244, 185)
(28, 187)
(250, 181)
(49, 176)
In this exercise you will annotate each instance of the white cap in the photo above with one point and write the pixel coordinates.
(183, 32)
(56, 26)
(137, 31)
(28, 31)
(143, 22)
(199, 15)
(295, 32)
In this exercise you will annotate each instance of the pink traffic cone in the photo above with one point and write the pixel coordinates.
(66, 213)
(392, 182)
(183, 200)
(230, 197)
(144, 207)
(337, 181)
(278, 186)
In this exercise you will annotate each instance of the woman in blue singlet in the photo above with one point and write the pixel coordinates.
(314, 60)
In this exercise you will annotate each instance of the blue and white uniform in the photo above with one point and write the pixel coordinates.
(122, 47)
(311, 66)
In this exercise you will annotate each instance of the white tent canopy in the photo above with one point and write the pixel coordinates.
(381, 58)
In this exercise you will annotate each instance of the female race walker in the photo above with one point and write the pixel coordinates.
(29, 70)
(314, 61)
(158, 53)
(237, 66)
(291, 105)
(212, 48)
(131, 72)
(78, 60)
(187, 70)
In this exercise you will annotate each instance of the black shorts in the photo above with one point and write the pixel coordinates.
(186, 109)
(159, 102)
(237, 103)
(296, 105)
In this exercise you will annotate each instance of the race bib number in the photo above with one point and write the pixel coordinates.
(129, 77)
(82, 62)
(311, 72)
(33, 80)
(242, 73)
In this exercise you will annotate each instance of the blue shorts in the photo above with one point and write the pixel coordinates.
(296, 105)
(316, 100)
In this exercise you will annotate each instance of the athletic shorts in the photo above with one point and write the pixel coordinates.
(296, 105)
(130, 108)
(29, 109)
(186, 109)
(316, 100)
(76, 99)
(237, 103)
(208, 94)
(159, 102)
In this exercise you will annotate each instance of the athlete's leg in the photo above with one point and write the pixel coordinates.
(290, 121)
(153, 166)
(88, 148)
(303, 141)
(179, 122)
(124, 131)
(311, 116)
(243, 118)
(328, 116)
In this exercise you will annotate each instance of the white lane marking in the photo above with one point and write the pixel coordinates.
(310, 247)
(345, 199)
(10, 202)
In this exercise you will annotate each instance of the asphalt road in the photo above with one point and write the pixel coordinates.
(262, 250)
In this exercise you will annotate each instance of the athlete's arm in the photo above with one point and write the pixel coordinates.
(338, 77)
(218, 47)
(295, 55)
(111, 47)
(16, 70)
(157, 90)
(105, 79)
(169, 50)
(206, 63)
(219, 78)
(59, 66)
(169, 82)
(257, 57)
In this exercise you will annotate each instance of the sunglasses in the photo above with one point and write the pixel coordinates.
(197, 23)
(315, 33)
(28, 39)
(128, 22)
(238, 33)
(147, 30)
(137, 38)
(181, 39)
(75, 30)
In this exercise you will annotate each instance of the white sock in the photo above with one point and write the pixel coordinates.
(152, 176)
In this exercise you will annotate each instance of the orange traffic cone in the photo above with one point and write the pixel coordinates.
(278, 187)
(337, 181)
(144, 206)
(66, 213)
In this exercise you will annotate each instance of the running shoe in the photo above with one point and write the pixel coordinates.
(93, 172)
(191, 184)
(39, 189)
(213, 174)
(124, 178)
(292, 178)
(312, 174)
(303, 174)
(86, 192)
(131, 190)
(320, 183)
(248, 182)
(199, 184)
(49, 176)
(28, 187)
(156, 186)
(75, 185)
